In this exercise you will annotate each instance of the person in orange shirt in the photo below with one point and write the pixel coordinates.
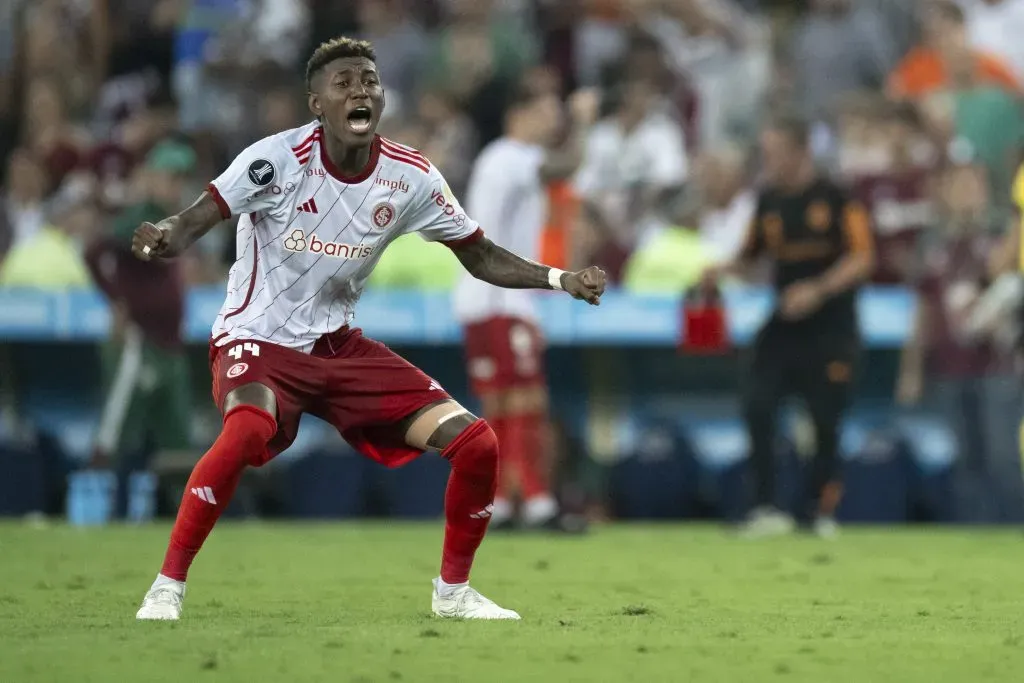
(563, 210)
(926, 68)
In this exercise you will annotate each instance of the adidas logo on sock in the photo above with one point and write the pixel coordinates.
(205, 493)
(483, 514)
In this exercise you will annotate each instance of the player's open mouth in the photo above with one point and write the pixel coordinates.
(359, 120)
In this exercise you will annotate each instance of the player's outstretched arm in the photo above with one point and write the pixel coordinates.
(173, 235)
(495, 265)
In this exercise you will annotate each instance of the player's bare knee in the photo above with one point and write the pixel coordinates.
(253, 394)
(435, 426)
(449, 430)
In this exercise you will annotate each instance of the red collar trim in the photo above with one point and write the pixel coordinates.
(371, 165)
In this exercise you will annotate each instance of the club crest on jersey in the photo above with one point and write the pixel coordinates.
(261, 172)
(298, 241)
(237, 369)
(383, 214)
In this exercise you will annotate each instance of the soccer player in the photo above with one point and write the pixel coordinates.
(317, 206)
(504, 346)
(820, 244)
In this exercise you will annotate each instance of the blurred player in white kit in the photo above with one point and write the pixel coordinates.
(504, 345)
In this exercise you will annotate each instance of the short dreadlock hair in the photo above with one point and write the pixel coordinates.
(337, 48)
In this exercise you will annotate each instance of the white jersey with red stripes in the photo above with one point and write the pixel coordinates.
(506, 193)
(308, 236)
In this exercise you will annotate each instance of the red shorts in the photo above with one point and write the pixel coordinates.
(504, 353)
(358, 385)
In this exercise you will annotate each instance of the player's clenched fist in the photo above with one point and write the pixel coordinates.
(150, 241)
(587, 284)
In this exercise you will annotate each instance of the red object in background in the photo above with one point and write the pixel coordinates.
(703, 320)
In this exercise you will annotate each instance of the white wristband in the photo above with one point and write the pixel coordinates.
(555, 278)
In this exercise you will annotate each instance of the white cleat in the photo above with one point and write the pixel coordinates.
(162, 603)
(768, 522)
(466, 603)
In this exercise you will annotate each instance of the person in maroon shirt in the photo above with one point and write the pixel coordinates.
(962, 374)
(899, 199)
(147, 401)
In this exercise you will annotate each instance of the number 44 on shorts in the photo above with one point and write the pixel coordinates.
(237, 350)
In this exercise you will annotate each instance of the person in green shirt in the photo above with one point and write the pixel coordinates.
(991, 120)
(51, 258)
(670, 262)
(147, 380)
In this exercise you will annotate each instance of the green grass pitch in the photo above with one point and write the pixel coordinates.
(350, 603)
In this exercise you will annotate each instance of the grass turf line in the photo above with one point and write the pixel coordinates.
(319, 602)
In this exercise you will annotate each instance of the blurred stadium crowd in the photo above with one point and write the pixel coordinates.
(109, 105)
(911, 100)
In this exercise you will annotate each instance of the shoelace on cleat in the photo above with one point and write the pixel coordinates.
(164, 595)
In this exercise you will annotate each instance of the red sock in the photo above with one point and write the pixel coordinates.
(526, 446)
(507, 474)
(242, 441)
(474, 459)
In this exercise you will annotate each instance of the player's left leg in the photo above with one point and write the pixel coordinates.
(505, 360)
(826, 390)
(765, 380)
(470, 445)
(392, 412)
(509, 483)
(526, 444)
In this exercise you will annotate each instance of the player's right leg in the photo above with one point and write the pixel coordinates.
(525, 442)
(249, 424)
(260, 390)
(505, 357)
(826, 389)
(503, 514)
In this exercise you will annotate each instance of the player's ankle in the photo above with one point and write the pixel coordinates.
(445, 589)
(163, 580)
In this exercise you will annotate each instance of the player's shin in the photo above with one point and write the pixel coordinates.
(508, 475)
(527, 447)
(824, 486)
(242, 441)
(468, 499)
